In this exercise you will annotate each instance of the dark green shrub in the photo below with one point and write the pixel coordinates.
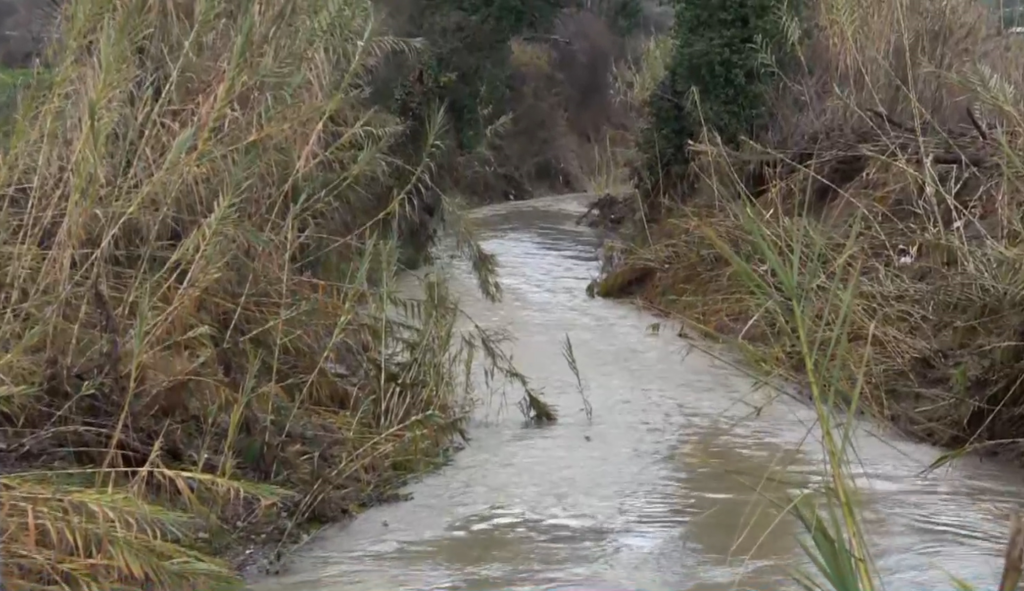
(623, 16)
(716, 80)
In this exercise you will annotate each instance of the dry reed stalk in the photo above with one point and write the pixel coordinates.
(1014, 556)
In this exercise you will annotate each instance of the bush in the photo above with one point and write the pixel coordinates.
(467, 64)
(198, 249)
(624, 17)
(526, 84)
(717, 80)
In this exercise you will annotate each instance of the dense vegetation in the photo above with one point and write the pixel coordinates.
(525, 84)
(717, 79)
(879, 208)
(855, 229)
(469, 58)
(201, 224)
(206, 208)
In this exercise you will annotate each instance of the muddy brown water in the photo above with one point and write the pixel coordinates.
(668, 487)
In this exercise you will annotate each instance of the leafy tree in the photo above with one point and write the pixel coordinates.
(715, 79)
(467, 64)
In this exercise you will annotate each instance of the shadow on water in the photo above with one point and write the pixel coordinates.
(673, 483)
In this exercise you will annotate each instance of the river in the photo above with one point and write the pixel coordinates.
(668, 486)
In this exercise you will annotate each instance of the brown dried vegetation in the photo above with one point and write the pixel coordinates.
(883, 209)
(200, 343)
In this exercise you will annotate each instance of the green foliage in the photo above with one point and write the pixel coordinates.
(623, 16)
(1012, 18)
(467, 64)
(11, 80)
(716, 80)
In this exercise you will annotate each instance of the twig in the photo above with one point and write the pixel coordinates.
(536, 36)
(975, 160)
(1014, 555)
(890, 121)
(977, 124)
(570, 358)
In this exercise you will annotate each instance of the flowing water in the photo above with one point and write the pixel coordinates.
(668, 486)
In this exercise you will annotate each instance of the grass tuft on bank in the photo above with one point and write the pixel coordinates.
(201, 345)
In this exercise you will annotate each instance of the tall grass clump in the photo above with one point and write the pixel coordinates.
(889, 187)
(199, 348)
(833, 539)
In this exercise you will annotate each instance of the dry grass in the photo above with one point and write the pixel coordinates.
(899, 140)
(609, 168)
(636, 79)
(198, 244)
(868, 249)
(792, 248)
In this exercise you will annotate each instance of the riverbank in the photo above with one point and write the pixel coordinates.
(201, 360)
(704, 462)
(207, 208)
(875, 247)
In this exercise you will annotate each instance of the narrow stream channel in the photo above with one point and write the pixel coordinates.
(668, 487)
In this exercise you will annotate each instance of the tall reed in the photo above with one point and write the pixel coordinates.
(199, 239)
